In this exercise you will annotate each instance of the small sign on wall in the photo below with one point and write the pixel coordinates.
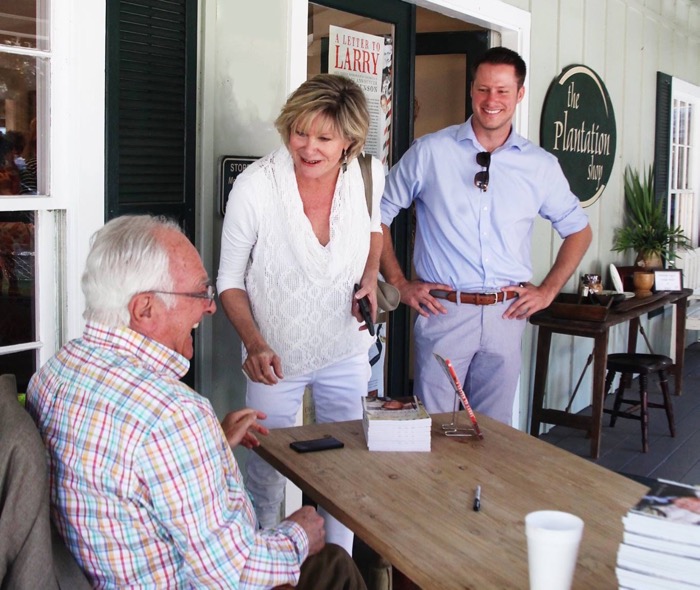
(578, 127)
(231, 167)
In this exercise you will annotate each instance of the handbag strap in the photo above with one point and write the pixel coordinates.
(365, 162)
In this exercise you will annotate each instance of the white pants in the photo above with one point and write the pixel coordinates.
(337, 392)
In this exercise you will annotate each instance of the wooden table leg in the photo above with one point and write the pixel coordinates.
(632, 333)
(681, 308)
(600, 358)
(544, 342)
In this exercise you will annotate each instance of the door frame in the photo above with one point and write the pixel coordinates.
(403, 16)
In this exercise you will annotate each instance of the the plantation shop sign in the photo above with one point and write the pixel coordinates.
(578, 127)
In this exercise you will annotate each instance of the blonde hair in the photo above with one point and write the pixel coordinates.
(336, 97)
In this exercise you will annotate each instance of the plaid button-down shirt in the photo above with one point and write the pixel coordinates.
(144, 487)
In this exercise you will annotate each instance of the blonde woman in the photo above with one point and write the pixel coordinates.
(296, 238)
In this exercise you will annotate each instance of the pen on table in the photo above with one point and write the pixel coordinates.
(477, 499)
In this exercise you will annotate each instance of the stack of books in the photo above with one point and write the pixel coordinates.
(661, 544)
(396, 424)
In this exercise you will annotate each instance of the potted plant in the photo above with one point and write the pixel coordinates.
(647, 231)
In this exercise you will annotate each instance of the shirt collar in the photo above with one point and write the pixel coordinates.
(158, 356)
(465, 131)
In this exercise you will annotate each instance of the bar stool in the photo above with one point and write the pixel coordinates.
(628, 364)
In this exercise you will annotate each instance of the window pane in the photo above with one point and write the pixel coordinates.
(691, 120)
(22, 170)
(23, 23)
(682, 123)
(17, 302)
(21, 364)
(674, 124)
(674, 167)
(685, 185)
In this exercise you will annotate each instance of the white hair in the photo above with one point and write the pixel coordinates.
(126, 257)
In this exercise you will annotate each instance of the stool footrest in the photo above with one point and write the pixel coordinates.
(623, 414)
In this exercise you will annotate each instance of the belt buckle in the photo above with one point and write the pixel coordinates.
(495, 297)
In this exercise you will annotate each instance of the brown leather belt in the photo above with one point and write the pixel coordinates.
(475, 298)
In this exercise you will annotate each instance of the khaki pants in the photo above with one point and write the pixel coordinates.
(330, 569)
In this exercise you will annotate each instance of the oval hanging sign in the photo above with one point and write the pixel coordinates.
(578, 127)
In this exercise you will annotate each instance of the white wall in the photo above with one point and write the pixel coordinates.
(244, 81)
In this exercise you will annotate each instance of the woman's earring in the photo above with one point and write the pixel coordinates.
(345, 161)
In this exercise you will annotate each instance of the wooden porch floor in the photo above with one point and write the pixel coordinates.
(677, 459)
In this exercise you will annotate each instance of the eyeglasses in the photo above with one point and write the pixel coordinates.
(481, 179)
(209, 294)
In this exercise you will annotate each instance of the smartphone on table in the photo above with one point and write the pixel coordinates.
(317, 444)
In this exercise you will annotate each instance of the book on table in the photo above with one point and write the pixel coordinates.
(396, 424)
(661, 542)
(631, 580)
(669, 510)
(449, 370)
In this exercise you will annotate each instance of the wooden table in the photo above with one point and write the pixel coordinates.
(627, 311)
(415, 509)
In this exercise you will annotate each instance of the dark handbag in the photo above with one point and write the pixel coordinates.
(388, 296)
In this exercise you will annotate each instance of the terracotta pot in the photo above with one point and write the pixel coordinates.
(643, 282)
(648, 260)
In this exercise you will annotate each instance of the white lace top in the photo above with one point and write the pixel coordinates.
(300, 291)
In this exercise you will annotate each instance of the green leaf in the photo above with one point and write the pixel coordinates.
(646, 230)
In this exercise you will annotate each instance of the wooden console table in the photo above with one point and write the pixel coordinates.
(627, 311)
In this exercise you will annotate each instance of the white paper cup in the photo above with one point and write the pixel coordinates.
(552, 548)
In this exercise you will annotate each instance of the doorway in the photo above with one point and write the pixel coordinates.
(392, 24)
(429, 78)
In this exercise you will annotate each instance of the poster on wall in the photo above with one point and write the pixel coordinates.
(578, 127)
(385, 100)
(360, 57)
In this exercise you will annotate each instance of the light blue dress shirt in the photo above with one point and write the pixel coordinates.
(472, 240)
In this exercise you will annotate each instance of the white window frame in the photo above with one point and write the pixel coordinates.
(684, 162)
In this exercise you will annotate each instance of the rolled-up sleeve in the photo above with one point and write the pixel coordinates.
(561, 207)
(402, 185)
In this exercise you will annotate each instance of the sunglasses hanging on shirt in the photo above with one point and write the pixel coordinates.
(481, 179)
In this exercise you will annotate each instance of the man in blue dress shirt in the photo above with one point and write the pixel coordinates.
(478, 189)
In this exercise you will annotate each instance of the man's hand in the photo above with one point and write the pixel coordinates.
(531, 299)
(416, 294)
(262, 365)
(312, 523)
(240, 427)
